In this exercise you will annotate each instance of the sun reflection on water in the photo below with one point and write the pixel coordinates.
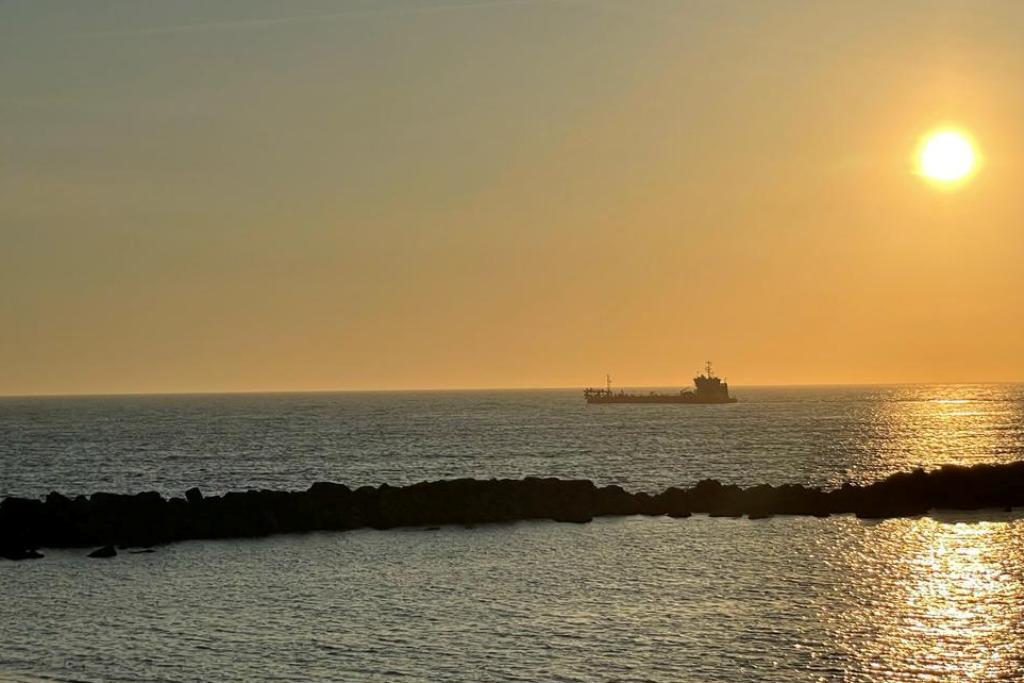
(931, 425)
(939, 598)
(943, 600)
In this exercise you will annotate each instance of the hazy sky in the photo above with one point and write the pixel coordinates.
(251, 195)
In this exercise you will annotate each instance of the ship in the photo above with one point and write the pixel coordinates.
(707, 389)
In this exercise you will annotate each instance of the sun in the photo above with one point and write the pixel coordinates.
(947, 156)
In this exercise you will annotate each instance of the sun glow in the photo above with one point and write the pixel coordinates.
(947, 156)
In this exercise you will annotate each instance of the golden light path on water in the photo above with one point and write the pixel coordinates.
(929, 426)
(946, 601)
(943, 600)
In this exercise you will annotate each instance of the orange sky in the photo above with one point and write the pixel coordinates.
(251, 196)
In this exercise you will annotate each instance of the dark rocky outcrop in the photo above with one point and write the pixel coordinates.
(146, 519)
(104, 552)
(19, 553)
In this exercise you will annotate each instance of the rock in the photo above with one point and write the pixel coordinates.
(105, 551)
(890, 512)
(649, 505)
(329, 489)
(144, 551)
(57, 500)
(572, 518)
(146, 519)
(614, 500)
(20, 554)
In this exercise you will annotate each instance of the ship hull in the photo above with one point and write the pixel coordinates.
(656, 398)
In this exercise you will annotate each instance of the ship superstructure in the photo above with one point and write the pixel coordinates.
(708, 389)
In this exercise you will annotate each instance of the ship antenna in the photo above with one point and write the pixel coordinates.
(609, 380)
(707, 368)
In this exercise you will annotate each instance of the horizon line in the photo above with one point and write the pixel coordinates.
(414, 390)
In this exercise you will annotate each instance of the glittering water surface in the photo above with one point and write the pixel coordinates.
(938, 598)
(806, 435)
(632, 599)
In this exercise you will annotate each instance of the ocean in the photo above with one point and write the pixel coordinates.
(938, 598)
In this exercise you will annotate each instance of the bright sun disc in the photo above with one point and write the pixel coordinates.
(946, 156)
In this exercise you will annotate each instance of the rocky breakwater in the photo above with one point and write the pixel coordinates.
(147, 519)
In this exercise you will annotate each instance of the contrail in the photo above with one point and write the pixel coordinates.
(257, 23)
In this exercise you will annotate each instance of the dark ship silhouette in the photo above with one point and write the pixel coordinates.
(709, 389)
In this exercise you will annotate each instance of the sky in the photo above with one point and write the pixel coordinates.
(381, 194)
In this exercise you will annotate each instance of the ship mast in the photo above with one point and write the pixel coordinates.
(608, 379)
(707, 368)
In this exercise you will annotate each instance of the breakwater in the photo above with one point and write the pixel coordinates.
(148, 519)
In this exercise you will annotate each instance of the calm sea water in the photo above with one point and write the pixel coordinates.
(222, 442)
(627, 599)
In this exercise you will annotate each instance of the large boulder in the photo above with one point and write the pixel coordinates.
(19, 553)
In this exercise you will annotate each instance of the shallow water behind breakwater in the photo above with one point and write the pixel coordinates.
(624, 599)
